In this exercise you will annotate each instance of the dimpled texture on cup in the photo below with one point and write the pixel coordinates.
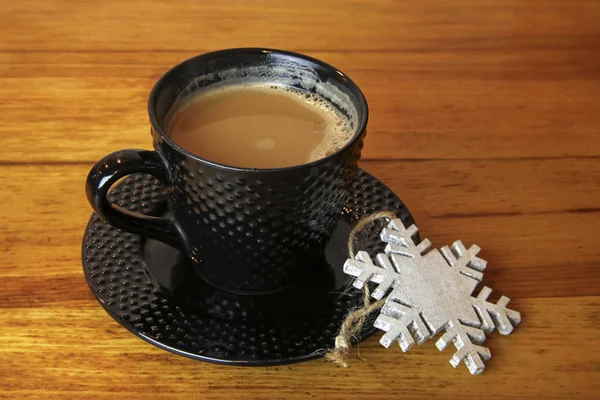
(267, 227)
(115, 271)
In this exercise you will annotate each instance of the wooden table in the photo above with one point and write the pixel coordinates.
(485, 119)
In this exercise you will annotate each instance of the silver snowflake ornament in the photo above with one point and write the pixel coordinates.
(432, 291)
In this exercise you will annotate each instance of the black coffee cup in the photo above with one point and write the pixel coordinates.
(245, 230)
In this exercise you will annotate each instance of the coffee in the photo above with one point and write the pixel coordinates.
(258, 126)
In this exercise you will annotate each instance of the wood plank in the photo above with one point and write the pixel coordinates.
(411, 120)
(499, 64)
(383, 25)
(540, 240)
(423, 105)
(74, 352)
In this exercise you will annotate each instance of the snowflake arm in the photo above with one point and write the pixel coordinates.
(466, 339)
(401, 323)
(401, 240)
(363, 268)
(465, 261)
(495, 316)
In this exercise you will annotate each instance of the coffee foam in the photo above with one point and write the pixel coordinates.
(338, 129)
(341, 119)
(286, 73)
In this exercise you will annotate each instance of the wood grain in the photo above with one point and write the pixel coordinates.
(436, 110)
(484, 118)
(69, 353)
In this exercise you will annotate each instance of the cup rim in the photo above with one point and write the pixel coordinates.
(362, 108)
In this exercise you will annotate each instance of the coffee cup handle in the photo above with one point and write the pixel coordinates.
(116, 166)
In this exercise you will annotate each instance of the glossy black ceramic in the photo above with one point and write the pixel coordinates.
(248, 231)
(152, 290)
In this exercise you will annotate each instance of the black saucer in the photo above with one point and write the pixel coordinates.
(150, 289)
